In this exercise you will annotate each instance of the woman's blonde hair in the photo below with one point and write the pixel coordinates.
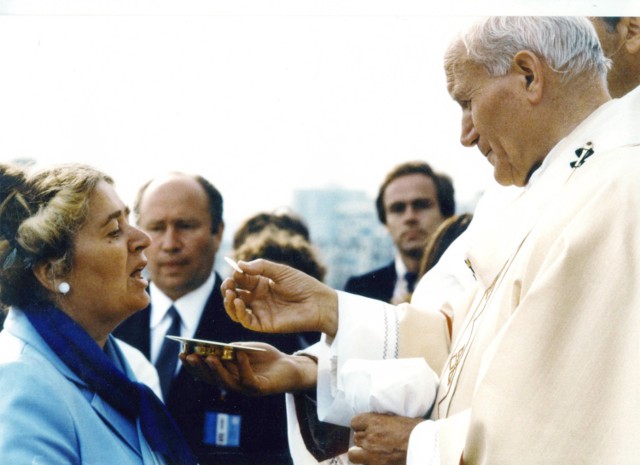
(40, 215)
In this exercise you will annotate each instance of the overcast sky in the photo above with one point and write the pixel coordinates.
(259, 101)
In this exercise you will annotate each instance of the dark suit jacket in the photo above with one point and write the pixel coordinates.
(263, 432)
(377, 284)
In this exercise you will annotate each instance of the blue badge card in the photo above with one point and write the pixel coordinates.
(222, 429)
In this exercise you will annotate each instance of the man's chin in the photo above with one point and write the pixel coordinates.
(169, 286)
(414, 252)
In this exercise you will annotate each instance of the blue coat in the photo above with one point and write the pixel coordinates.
(49, 416)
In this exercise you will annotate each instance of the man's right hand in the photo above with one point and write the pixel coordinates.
(381, 439)
(273, 298)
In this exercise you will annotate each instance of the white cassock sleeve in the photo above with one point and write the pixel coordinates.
(423, 444)
(358, 371)
(439, 442)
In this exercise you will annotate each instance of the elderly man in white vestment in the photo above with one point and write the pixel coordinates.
(542, 364)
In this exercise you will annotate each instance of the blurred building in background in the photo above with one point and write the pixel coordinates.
(346, 230)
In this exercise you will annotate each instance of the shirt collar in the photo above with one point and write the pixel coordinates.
(190, 306)
(401, 269)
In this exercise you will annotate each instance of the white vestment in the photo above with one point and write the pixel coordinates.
(545, 364)
(450, 279)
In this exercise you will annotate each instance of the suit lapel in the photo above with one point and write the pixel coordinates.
(135, 331)
(212, 314)
(390, 282)
(120, 425)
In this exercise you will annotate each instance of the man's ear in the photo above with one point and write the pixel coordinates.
(217, 236)
(632, 39)
(530, 68)
(220, 231)
(44, 273)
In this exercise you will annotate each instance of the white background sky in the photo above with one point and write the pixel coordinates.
(260, 97)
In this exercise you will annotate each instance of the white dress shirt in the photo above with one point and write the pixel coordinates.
(190, 308)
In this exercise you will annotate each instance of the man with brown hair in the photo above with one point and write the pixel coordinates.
(412, 202)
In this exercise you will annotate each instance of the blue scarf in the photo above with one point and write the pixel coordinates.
(134, 400)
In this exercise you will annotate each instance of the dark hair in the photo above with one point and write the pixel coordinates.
(213, 195)
(281, 246)
(443, 183)
(286, 221)
(447, 232)
(215, 202)
(40, 215)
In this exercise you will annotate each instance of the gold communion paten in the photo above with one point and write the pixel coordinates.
(226, 351)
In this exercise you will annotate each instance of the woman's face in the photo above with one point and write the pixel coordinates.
(106, 274)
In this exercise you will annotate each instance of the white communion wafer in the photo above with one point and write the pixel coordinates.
(233, 264)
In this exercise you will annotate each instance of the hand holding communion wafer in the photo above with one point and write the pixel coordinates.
(273, 298)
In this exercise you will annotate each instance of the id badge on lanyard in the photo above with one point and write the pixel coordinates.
(222, 429)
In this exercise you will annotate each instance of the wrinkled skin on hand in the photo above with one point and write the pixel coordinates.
(381, 439)
(254, 373)
(273, 298)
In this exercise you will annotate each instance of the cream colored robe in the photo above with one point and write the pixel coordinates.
(545, 367)
(547, 361)
(368, 331)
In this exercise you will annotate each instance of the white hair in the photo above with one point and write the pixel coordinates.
(569, 44)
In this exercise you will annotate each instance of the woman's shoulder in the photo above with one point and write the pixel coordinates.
(34, 411)
(11, 347)
(24, 368)
(26, 373)
(33, 392)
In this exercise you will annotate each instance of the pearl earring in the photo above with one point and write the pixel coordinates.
(64, 288)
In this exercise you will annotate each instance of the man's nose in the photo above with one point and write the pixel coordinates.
(468, 136)
(171, 239)
(410, 213)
